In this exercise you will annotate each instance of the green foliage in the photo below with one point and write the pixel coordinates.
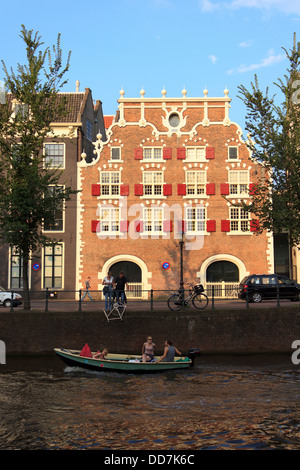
(24, 175)
(274, 143)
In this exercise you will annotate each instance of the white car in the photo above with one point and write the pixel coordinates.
(5, 298)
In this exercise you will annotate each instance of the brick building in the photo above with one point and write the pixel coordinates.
(72, 136)
(169, 169)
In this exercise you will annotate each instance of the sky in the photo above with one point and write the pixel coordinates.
(156, 44)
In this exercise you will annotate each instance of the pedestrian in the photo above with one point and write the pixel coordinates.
(108, 283)
(169, 352)
(120, 283)
(87, 289)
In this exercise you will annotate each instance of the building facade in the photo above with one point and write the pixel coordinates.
(54, 267)
(169, 170)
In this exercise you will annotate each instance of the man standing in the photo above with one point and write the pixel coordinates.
(87, 289)
(120, 283)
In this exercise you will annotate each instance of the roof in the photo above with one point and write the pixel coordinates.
(108, 120)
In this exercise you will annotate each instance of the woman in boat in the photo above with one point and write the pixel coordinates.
(148, 350)
(101, 355)
(169, 352)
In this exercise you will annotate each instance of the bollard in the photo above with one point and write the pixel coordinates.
(212, 297)
(79, 307)
(12, 302)
(47, 296)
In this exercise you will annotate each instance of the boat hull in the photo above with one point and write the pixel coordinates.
(119, 363)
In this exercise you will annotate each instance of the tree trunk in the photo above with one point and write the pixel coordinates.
(26, 293)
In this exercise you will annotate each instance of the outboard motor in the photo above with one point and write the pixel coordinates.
(193, 353)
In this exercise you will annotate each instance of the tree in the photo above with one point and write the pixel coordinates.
(25, 117)
(275, 143)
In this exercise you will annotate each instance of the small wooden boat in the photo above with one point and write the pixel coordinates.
(120, 362)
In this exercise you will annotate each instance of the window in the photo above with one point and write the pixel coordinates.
(238, 182)
(53, 265)
(55, 155)
(195, 182)
(174, 120)
(16, 269)
(110, 183)
(152, 153)
(115, 153)
(195, 154)
(232, 153)
(195, 219)
(109, 220)
(89, 128)
(56, 221)
(153, 183)
(153, 220)
(239, 220)
(21, 110)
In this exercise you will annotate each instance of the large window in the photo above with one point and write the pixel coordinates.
(110, 183)
(195, 182)
(195, 219)
(195, 154)
(109, 220)
(153, 220)
(153, 183)
(53, 266)
(239, 220)
(16, 269)
(238, 182)
(55, 155)
(152, 153)
(56, 222)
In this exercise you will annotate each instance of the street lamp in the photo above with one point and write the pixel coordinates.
(181, 244)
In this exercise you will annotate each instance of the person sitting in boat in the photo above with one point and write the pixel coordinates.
(169, 352)
(101, 355)
(148, 350)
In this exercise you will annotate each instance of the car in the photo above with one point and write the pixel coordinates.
(265, 286)
(6, 297)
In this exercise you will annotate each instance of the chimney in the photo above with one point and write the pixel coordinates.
(77, 86)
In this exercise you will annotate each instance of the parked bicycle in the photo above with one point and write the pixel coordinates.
(196, 294)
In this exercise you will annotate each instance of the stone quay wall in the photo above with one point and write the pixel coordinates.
(270, 330)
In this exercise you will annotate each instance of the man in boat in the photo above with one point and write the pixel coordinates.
(169, 352)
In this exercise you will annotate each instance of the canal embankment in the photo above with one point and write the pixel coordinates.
(245, 331)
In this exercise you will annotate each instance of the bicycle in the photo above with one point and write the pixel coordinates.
(116, 311)
(196, 294)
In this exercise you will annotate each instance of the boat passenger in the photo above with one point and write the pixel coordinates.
(148, 350)
(101, 355)
(169, 352)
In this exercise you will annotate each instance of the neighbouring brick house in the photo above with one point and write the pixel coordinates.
(169, 169)
(72, 136)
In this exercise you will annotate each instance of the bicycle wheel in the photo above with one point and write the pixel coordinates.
(175, 302)
(200, 301)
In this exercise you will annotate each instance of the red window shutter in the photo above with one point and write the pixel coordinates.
(167, 189)
(138, 190)
(181, 189)
(254, 225)
(95, 224)
(124, 225)
(168, 226)
(124, 190)
(181, 228)
(211, 225)
(224, 189)
(225, 225)
(210, 188)
(95, 189)
(138, 153)
(138, 226)
(210, 153)
(167, 153)
(181, 153)
(252, 189)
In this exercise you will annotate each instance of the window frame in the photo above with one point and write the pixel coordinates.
(53, 265)
(63, 166)
(110, 184)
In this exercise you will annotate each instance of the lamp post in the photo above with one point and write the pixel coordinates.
(181, 244)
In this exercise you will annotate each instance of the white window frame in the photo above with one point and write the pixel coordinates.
(115, 147)
(195, 154)
(109, 220)
(238, 183)
(112, 187)
(156, 187)
(44, 267)
(63, 216)
(195, 180)
(153, 220)
(239, 220)
(153, 154)
(63, 166)
(231, 159)
(195, 219)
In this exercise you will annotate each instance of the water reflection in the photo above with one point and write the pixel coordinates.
(223, 403)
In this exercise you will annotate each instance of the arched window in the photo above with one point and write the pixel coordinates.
(132, 271)
(222, 271)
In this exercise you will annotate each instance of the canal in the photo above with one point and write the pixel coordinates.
(224, 402)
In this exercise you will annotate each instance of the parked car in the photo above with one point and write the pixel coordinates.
(6, 297)
(264, 286)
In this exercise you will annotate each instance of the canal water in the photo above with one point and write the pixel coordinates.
(235, 403)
